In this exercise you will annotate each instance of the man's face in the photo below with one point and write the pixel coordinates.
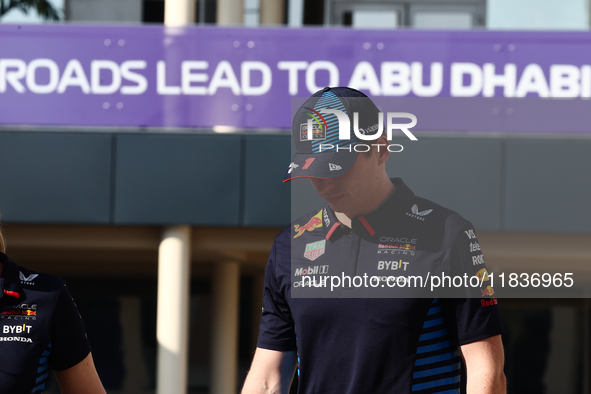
(353, 193)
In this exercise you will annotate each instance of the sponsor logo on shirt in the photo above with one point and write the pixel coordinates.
(399, 240)
(477, 260)
(474, 246)
(313, 224)
(396, 251)
(27, 280)
(315, 250)
(392, 265)
(482, 275)
(470, 234)
(489, 291)
(18, 329)
(397, 246)
(492, 301)
(325, 217)
(312, 270)
(16, 339)
(414, 213)
(19, 312)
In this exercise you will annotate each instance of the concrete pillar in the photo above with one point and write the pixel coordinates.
(230, 12)
(271, 12)
(172, 325)
(179, 12)
(225, 314)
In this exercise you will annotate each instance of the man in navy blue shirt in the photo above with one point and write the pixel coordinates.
(41, 329)
(347, 300)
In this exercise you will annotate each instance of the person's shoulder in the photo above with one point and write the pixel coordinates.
(38, 281)
(301, 226)
(432, 214)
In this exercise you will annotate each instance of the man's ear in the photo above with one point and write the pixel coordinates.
(383, 152)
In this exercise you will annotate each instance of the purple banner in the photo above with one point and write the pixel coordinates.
(147, 76)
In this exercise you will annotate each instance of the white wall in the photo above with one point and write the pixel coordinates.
(537, 14)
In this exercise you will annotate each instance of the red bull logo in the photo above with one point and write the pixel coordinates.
(489, 291)
(313, 224)
(492, 301)
(482, 275)
(20, 312)
(407, 247)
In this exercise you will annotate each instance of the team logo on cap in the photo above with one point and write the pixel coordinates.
(317, 124)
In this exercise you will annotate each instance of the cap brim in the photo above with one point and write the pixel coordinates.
(325, 165)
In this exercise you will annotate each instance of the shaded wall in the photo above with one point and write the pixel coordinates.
(499, 183)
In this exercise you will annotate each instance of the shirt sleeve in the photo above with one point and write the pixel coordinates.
(69, 344)
(474, 315)
(276, 331)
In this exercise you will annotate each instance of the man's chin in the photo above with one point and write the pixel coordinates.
(338, 208)
(336, 201)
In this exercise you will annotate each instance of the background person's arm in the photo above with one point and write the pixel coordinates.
(484, 366)
(271, 372)
(82, 378)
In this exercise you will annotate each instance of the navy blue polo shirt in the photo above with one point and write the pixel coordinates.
(358, 338)
(40, 328)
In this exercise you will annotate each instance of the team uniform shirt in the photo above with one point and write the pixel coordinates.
(355, 338)
(40, 328)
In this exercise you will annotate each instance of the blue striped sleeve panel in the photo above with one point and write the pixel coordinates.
(437, 367)
(42, 371)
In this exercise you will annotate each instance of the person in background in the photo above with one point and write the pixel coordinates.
(41, 329)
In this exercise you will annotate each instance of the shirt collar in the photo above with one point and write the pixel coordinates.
(9, 281)
(330, 222)
(368, 225)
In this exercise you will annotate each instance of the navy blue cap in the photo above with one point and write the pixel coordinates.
(321, 154)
